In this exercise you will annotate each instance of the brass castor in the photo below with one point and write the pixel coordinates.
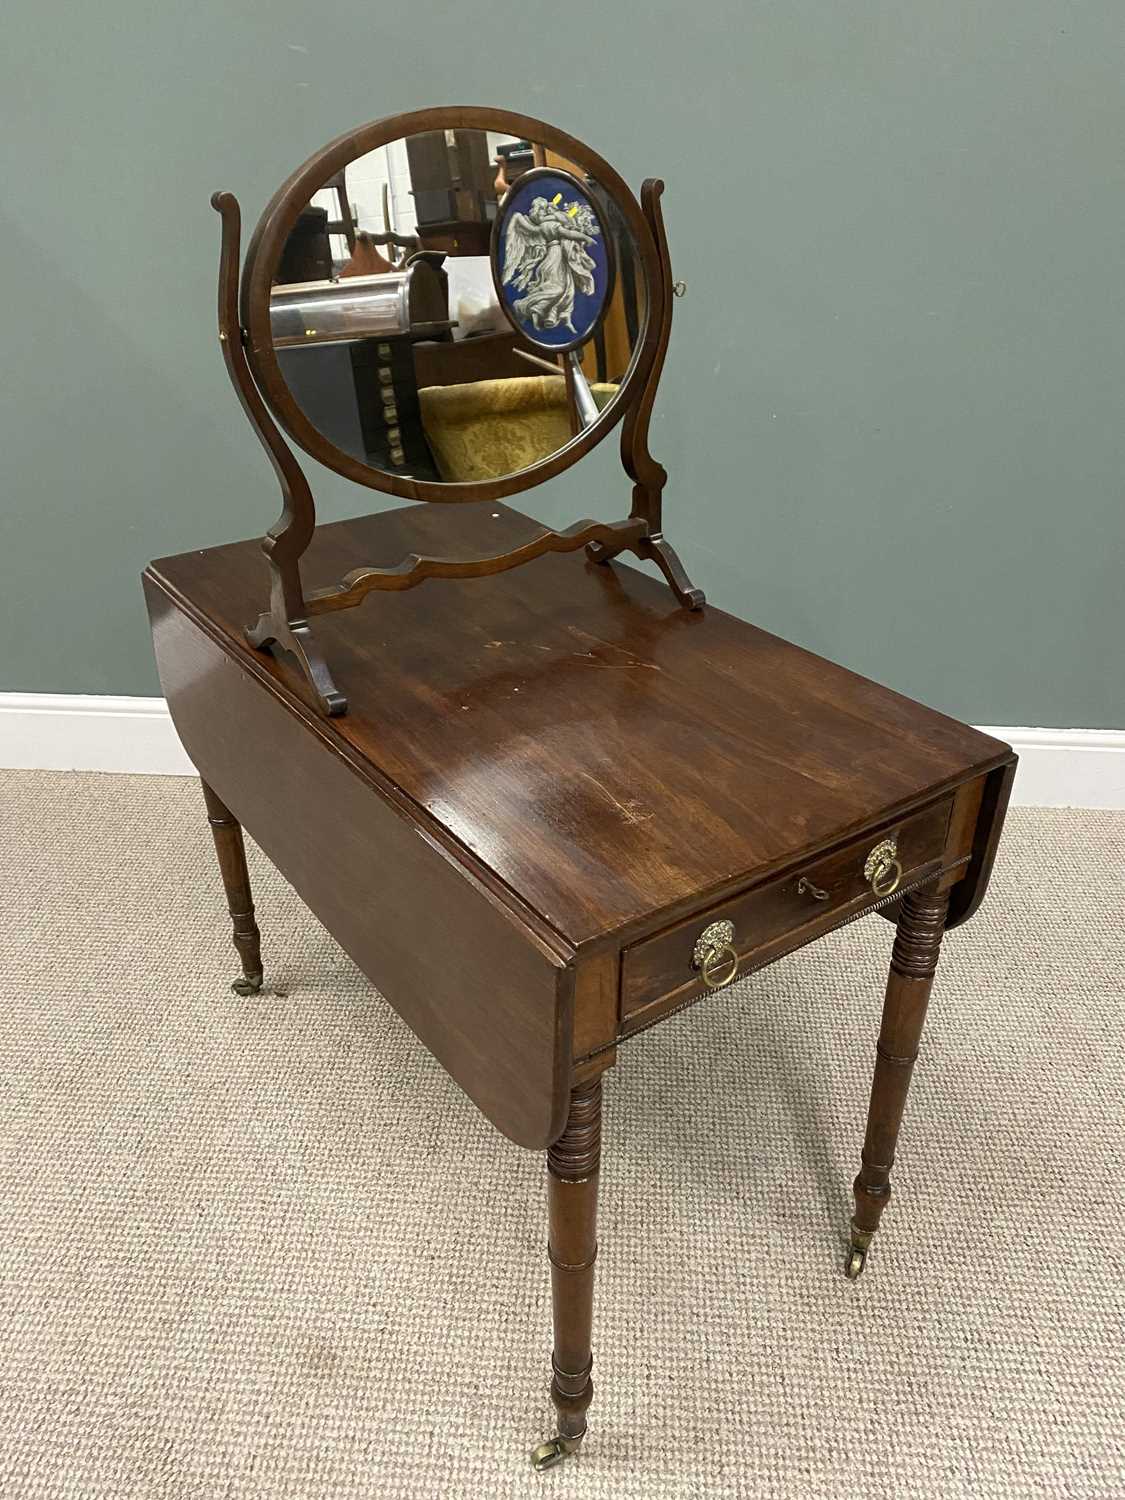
(853, 1267)
(247, 986)
(547, 1455)
(857, 1251)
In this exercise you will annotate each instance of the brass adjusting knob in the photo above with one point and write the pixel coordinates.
(714, 955)
(883, 870)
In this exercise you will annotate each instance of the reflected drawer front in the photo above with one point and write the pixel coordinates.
(827, 889)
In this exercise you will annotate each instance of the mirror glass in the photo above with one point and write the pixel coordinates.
(456, 306)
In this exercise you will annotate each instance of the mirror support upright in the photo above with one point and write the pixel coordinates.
(285, 623)
(648, 476)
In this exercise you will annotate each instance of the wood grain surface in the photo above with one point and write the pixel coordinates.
(481, 989)
(607, 758)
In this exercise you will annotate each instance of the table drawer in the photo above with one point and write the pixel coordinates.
(666, 969)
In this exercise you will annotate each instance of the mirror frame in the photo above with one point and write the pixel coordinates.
(278, 219)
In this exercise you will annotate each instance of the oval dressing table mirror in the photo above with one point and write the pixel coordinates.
(449, 306)
(544, 799)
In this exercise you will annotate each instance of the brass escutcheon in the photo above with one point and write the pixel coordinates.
(882, 869)
(714, 955)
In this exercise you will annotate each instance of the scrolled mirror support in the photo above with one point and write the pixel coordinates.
(649, 477)
(284, 623)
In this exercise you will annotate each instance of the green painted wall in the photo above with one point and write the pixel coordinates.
(892, 413)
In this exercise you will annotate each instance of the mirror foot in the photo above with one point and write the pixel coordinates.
(297, 638)
(660, 551)
(664, 555)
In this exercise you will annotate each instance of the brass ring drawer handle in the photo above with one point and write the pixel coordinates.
(714, 955)
(883, 869)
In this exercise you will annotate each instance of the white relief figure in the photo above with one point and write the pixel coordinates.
(545, 256)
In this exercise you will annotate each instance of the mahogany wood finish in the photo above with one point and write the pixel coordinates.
(968, 894)
(914, 962)
(550, 781)
(821, 894)
(236, 882)
(284, 623)
(655, 761)
(648, 476)
(572, 1247)
(485, 987)
(414, 569)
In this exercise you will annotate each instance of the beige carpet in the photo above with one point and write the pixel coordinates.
(264, 1248)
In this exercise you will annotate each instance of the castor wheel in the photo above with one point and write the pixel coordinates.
(547, 1455)
(855, 1263)
(247, 986)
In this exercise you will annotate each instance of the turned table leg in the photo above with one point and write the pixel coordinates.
(913, 965)
(227, 832)
(572, 1247)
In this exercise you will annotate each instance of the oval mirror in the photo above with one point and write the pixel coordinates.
(449, 300)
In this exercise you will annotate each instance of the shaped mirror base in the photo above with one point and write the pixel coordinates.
(603, 542)
(297, 638)
(659, 550)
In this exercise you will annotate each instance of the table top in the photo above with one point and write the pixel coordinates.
(606, 754)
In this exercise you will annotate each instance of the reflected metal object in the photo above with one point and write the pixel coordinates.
(411, 301)
(584, 401)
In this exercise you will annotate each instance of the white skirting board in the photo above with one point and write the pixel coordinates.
(74, 732)
(77, 732)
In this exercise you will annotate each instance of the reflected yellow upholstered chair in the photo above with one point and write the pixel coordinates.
(487, 428)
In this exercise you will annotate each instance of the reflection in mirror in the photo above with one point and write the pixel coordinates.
(456, 306)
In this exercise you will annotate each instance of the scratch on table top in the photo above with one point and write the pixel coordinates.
(633, 662)
(633, 812)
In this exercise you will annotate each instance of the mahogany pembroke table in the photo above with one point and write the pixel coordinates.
(544, 800)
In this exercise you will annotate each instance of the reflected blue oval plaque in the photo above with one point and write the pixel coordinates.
(552, 260)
